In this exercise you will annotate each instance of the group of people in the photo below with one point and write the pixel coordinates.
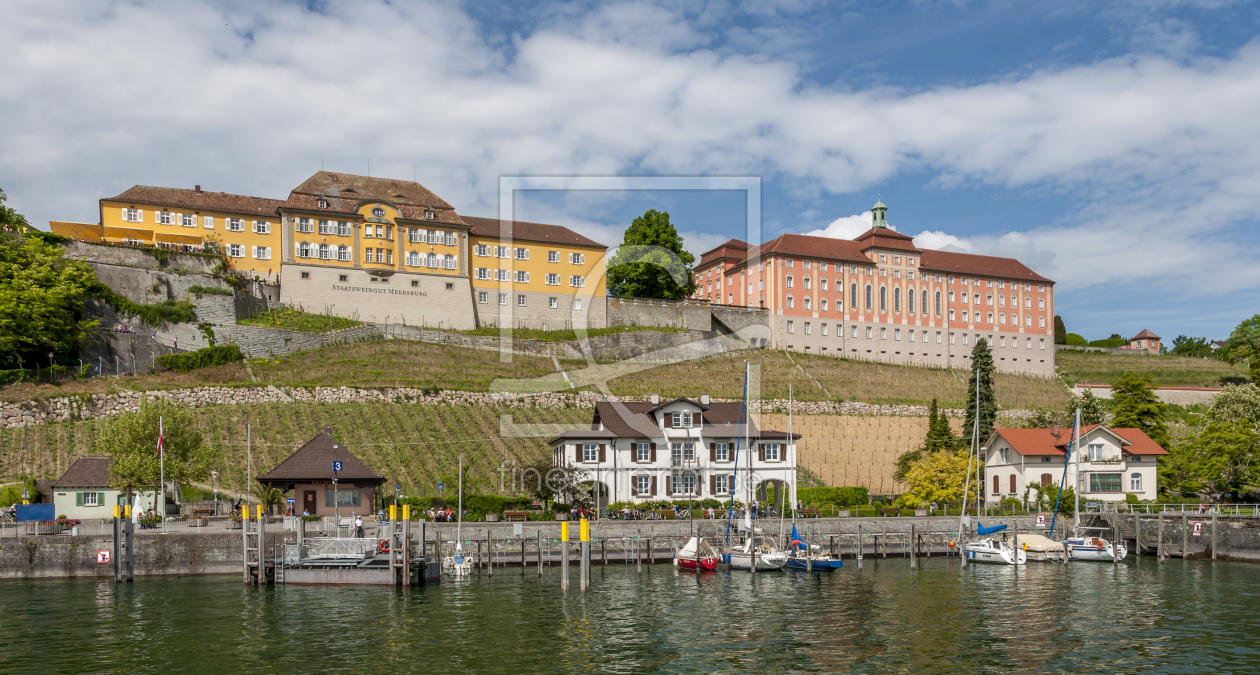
(441, 515)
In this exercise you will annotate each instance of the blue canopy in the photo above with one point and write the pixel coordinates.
(982, 530)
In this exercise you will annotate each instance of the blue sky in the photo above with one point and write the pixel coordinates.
(1114, 147)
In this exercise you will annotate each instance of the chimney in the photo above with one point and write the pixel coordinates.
(656, 399)
(197, 189)
(328, 430)
(704, 399)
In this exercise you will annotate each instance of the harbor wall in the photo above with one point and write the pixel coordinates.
(178, 554)
(1237, 538)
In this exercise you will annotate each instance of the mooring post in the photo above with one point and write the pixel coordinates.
(131, 566)
(539, 531)
(117, 544)
(262, 547)
(1067, 554)
(1185, 536)
(1137, 536)
(651, 552)
(859, 546)
(564, 556)
(406, 546)
(1159, 548)
(638, 554)
(914, 560)
(245, 543)
(585, 549)
(1213, 536)
(393, 545)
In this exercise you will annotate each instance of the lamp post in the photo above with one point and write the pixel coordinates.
(214, 477)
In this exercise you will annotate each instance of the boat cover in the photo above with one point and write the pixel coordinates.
(982, 530)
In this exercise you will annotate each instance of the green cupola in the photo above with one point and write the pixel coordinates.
(879, 213)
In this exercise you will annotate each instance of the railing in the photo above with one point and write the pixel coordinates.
(329, 547)
(1194, 508)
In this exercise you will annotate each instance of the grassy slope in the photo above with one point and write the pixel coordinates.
(411, 444)
(1166, 371)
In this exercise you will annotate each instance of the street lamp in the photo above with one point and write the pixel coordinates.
(214, 477)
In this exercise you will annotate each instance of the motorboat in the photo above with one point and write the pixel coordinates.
(1095, 549)
(994, 551)
(763, 550)
(697, 553)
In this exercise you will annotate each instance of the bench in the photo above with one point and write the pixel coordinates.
(203, 512)
(809, 513)
(890, 511)
(664, 514)
(509, 515)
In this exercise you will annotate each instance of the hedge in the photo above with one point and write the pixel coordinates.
(844, 497)
(202, 358)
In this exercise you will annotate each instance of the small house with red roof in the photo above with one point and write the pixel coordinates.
(1145, 340)
(326, 478)
(1114, 463)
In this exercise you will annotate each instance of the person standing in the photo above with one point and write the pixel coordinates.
(358, 526)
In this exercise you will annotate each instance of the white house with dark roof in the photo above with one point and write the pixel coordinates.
(83, 491)
(1114, 463)
(643, 451)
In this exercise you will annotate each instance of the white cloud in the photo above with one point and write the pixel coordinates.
(845, 227)
(1164, 152)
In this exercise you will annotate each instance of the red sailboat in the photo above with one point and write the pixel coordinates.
(697, 552)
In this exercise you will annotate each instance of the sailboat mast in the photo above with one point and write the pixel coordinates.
(975, 443)
(1076, 527)
(783, 485)
(962, 517)
(459, 513)
(743, 410)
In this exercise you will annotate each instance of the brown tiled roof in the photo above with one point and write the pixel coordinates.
(179, 198)
(634, 419)
(341, 206)
(86, 472)
(731, 249)
(313, 461)
(367, 188)
(525, 231)
(950, 262)
(1144, 335)
(1041, 442)
(805, 246)
(883, 237)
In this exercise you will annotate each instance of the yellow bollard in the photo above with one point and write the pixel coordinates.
(244, 512)
(127, 511)
(564, 530)
(260, 507)
(406, 511)
(393, 512)
(117, 510)
(586, 530)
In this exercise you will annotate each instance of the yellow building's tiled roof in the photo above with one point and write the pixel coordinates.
(179, 198)
(524, 231)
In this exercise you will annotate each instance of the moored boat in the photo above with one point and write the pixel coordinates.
(1095, 549)
(994, 551)
(697, 553)
(763, 550)
(805, 557)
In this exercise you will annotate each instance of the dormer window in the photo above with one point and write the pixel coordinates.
(429, 214)
(378, 212)
(323, 203)
(682, 420)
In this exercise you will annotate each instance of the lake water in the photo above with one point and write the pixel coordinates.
(1179, 617)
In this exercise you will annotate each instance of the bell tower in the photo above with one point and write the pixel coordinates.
(879, 213)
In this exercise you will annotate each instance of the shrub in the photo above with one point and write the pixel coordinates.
(477, 506)
(843, 497)
(202, 358)
(209, 290)
(1077, 340)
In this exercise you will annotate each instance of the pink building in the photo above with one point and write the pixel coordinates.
(1144, 340)
(880, 297)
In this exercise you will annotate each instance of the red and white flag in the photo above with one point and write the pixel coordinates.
(161, 439)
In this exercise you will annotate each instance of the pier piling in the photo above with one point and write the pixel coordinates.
(1159, 551)
(914, 560)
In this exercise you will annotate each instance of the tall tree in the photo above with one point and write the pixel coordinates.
(1136, 406)
(1197, 347)
(1093, 410)
(10, 219)
(939, 435)
(1060, 331)
(651, 261)
(131, 440)
(938, 477)
(1224, 458)
(985, 407)
(1244, 343)
(41, 298)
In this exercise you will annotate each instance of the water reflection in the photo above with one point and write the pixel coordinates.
(1086, 618)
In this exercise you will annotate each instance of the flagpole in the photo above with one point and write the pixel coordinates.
(162, 474)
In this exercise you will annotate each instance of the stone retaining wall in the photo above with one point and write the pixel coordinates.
(66, 408)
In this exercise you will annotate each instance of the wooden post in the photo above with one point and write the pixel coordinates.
(1137, 536)
(489, 554)
(245, 543)
(1015, 528)
(523, 561)
(262, 547)
(584, 549)
(539, 551)
(859, 546)
(564, 556)
(1185, 535)
(638, 556)
(603, 551)
(752, 540)
(131, 560)
(914, 561)
(1214, 536)
(1115, 543)
(651, 552)
(1067, 554)
(406, 547)
(117, 546)
(1159, 548)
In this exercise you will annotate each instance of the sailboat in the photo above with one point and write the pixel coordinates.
(1091, 549)
(459, 565)
(992, 549)
(757, 549)
(697, 553)
(805, 558)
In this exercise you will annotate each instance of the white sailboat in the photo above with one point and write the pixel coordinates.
(994, 551)
(459, 565)
(756, 549)
(1096, 549)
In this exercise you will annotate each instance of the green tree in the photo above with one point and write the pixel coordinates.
(1093, 410)
(10, 219)
(937, 477)
(1223, 458)
(939, 437)
(131, 440)
(986, 407)
(1197, 347)
(1136, 406)
(1060, 331)
(41, 298)
(268, 496)
(1236, 403)
(1244, 343)
(651, 262)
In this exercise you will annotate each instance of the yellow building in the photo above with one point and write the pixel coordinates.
(533, 275)
(246, 227)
